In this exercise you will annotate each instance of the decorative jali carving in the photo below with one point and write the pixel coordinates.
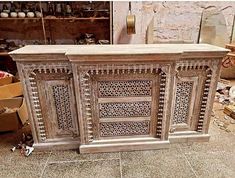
(32, 71)
(162, 93)
(86, 103)
(112, 69)
(63, 108)
(118, 89)
(204, 99)
(124, 88)
(125, 109)
(182, 102)
(108, 129)
(207, 66)
(192, 64)
(36, 106)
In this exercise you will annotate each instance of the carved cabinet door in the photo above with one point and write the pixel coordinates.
(122, 101)
(52, 98)
(191, 86)
(124, 105)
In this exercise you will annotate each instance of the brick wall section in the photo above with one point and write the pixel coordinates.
(172, 20)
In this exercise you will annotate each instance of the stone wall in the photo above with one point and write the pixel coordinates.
(172, 20)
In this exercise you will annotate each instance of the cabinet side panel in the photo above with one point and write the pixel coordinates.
(27, 93)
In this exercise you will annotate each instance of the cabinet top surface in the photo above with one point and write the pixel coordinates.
(130, 49)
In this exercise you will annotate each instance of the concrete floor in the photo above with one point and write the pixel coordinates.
(207, 160)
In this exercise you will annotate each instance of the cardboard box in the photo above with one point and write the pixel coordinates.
(11, 90)
(5, 80)
(23, 112)
(16, 118)
(230, 111)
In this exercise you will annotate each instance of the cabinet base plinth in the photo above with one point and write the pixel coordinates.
(99, 148)
(189, 138)
(65, 145)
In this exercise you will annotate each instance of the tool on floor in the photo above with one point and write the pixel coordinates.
(25, 145)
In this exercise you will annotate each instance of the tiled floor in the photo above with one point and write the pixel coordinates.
(206, 160)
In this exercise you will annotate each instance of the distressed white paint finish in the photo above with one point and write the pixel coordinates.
(94, 50)
(76, 94)
(173, 20)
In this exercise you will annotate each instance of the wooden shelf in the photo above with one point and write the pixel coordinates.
(76, 18)
(18, 18)
(57, 18)
(4, 53)
(60, 28)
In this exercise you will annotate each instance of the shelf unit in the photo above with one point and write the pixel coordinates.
(57, 18)
(56, 30)
(53, 30)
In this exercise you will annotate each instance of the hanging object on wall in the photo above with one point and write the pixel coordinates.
(130, 22)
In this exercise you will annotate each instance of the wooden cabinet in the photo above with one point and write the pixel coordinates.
(119, 97)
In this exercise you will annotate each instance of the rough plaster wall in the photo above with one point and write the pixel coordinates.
(120, 11)
(172, 20)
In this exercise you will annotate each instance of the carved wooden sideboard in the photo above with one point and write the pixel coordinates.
(119, 97)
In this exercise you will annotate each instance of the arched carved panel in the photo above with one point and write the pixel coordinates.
(118, 97)
(51, 93)
(192, 87)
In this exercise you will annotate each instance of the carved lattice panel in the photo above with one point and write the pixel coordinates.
(125, 109)
(125, 88)
(52, 100)
(200, 73)
(117, 98)
(108, 129)
(182, 102)
(62, 105)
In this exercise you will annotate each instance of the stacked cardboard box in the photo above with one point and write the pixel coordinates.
(230, 111)
(13, 110)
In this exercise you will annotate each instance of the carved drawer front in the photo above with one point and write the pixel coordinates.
(54, 104)
(122, 103)
(191, 86)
